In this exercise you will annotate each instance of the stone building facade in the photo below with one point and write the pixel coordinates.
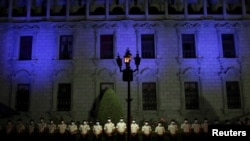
(205, 52)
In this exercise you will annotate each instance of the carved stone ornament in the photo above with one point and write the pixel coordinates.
(105, 26)
(146, 25)
(228, 25)
(188, 25)
(64, 26)
(25, 27)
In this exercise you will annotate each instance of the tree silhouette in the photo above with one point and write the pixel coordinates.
(110, 106)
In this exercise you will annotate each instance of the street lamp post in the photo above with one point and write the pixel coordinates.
(128, 77)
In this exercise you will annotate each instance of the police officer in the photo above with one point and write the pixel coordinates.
(42, 129)
(134, 131)
(9, 130)
(109, 129)
(121, 129)
(84, 129)
(31, 130)
(20, 130)
(160, 132)
(97, 131)
(172, 129)
(204, 127)
(62, 130)
(146, 131)
(73, 130)
(186, 130)
(52, 130)
(196, 129)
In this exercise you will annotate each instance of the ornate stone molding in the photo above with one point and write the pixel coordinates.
(106, 26)
(228, 25)
(208, 24)
(188, 25)
(25, 27)
(64, 26)
(146, 25)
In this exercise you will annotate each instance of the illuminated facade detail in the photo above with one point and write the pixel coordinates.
(192, 44)
(149, 99)
(25, 50)
(106, 47)
(148, 46)
(22, 97)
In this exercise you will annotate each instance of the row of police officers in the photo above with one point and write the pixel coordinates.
(43, 131)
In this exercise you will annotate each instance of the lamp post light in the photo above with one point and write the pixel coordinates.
(128, 77)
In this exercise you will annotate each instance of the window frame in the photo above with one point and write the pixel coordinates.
(197, 94)
(102, 30)
(155, 103)
(26, 99)
(101, 45)
(223, 48)
(238, 95)
(23, 49)
(142, 47)
(59, 47)
(187, 29)
(16, 46)
(227, 30)
(146, 29)
(194, 47)
(67, 99)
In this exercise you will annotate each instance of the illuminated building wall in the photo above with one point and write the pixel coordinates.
(186, 82)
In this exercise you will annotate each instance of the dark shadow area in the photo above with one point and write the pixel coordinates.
(172, 10)
(217, 11)
(192, 11)
(3, 12)
(20, 12)
(42, 13)
(81, 11)
(98, 11)
(6, 111)
(135, 11)
(117, 11)
(94, 109)
(62, 12)
(154, 11)
(237, 10)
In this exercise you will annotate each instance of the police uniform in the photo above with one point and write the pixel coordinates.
(31, 130)
(97, 131)
(172, 128)
(186, 130)
(62, 131)
(72, 131)
(42, 129)
(9, 130)
(134, 131)
(84, 129)
(160, 132)
(196, 130)
(109, 129)
(52, 131)
(121, 129)
(204, 126)
(146, 131)
(20, 130)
